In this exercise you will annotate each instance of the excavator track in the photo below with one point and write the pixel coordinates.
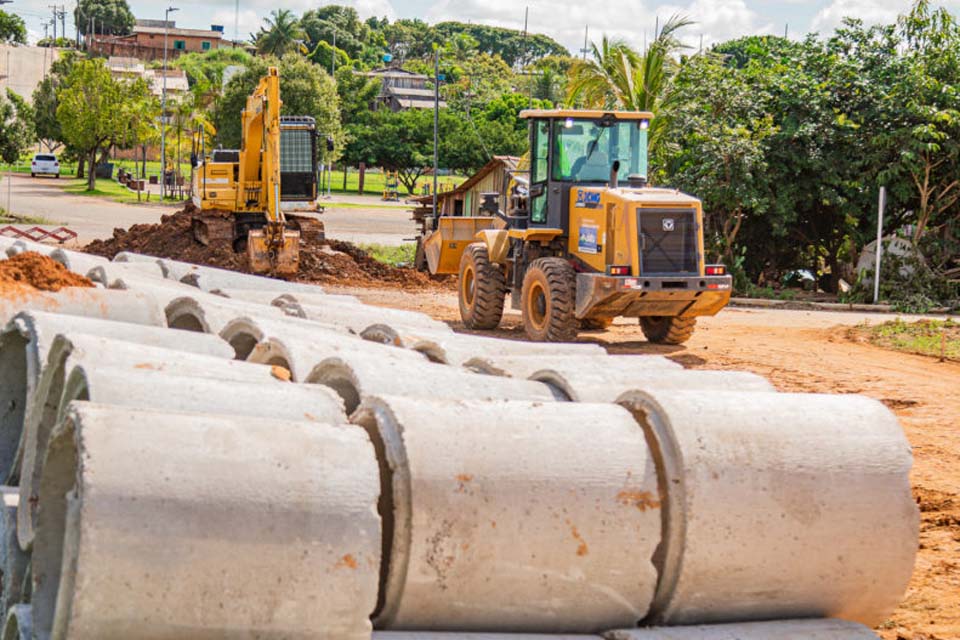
(212, 227)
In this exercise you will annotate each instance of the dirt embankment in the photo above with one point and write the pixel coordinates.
(36, 271)
(321, 261)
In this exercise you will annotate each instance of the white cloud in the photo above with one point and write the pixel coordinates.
(870, 11)
(633, 21)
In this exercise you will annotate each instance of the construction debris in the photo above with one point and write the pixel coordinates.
(321, 262)
(187, 464)
(39, 272)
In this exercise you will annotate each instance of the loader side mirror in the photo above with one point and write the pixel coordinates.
(537, 190)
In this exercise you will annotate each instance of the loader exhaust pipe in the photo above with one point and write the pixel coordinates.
(615, 175)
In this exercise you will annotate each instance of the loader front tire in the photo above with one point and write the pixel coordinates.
(667, 329)
(549, 298)
(482, 288)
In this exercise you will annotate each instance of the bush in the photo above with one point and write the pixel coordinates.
(908, 284)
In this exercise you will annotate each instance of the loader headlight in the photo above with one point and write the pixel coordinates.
(644, 125)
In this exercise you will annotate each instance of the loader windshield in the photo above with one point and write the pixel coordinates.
(586, 149)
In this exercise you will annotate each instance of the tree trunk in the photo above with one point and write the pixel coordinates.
(92, 173)
(81, 163)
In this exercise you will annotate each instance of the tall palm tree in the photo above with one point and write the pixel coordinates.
(617, 77)
(281, 33)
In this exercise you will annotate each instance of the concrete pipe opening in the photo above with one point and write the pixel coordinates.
(774, 630)
(14, 561)
(243, 335)
(382, 334)
(339, 377)
(511, 516)
(19, 623)
(13, 396)
(805, 498)
(185, 314)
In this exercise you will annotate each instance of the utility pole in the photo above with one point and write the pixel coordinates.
(63, 20)
(876, 267)
(436, 130)
(163, 108)
(586, 44)
(54, 7)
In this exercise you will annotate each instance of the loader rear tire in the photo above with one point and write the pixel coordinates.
(667, 329)
(549, 298)
(482, 288)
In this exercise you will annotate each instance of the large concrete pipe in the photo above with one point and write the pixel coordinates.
(210, 279)
(778, 506)
(22, 245)
(71, 350)
(524, 366)
(598, 381)
(107, 274)
(24, 348)
(315, 299)
(211, 314)
(776, 630)
(441, 635)
(19, 623)
(299, 345)
(5, 245)
(457, 348)
(356, 377)
(77, 261)
(13, 560)
(285, 301)
(122, 306)
(244, 527)
(513, 516)
(356, 317)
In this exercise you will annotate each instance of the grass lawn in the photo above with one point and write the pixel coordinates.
(937, 338)
(111, 190)
(374, 182)
(12, 218)
(401, 256)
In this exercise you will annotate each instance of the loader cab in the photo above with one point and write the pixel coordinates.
(571, 149)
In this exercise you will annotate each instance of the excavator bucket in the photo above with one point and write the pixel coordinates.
(282, 259)
(444, 247)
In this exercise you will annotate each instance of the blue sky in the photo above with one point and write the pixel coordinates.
(564, 20)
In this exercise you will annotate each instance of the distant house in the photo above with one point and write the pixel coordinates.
(465, 200)
(131, 68)
(401, 89)
(146, 41)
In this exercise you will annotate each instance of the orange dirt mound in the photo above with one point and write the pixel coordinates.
(321, 261)
(34, 270)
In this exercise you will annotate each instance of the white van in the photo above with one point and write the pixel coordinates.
(45, 164)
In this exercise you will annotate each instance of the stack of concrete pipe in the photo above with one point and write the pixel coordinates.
(195, 453)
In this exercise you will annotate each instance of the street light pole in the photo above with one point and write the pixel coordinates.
(436, 130)
(163, 108)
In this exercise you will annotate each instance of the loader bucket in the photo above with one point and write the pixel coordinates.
(283, 260)
(445, 246)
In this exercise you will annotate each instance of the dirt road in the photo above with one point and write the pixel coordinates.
(813, 352)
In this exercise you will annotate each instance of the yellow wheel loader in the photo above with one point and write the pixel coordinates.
(241, 194)
(579, 246)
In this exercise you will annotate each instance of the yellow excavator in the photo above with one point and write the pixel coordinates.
(240, 195)
(584, 238)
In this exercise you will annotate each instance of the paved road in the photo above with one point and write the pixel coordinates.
(93, 218)
(90, 217)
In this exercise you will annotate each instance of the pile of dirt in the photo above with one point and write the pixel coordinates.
(321, 262)
(30, 269)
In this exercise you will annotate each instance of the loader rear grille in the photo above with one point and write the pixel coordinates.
(668, 241)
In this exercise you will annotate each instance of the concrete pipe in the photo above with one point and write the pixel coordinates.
(107, 274)
(18, 246)
(356, 377)
(285, 301)
(210, 279)
(212, 314)
(524, 366)
(13, 560)
(77, 261)
(356, 318)
(71, 350)
(439, 635)
(778, 506)
(22, 245)
(244, 527)
(513, 516)
(299, 345)
(19, 623)
(457, 348)
(598, 381)
(122, 306)
(5, 245)
(776, 630)
(24, 349)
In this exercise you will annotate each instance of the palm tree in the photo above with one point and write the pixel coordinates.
(617, 77)
(281, 34)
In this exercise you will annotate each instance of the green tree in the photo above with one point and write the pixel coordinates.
(12, 28)
(280, 34)
(94, 109)
(110, 16)
(46, 125)
(320, 25)
(515, 47)
(16, 132)
(305, 88)
(401, 142)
